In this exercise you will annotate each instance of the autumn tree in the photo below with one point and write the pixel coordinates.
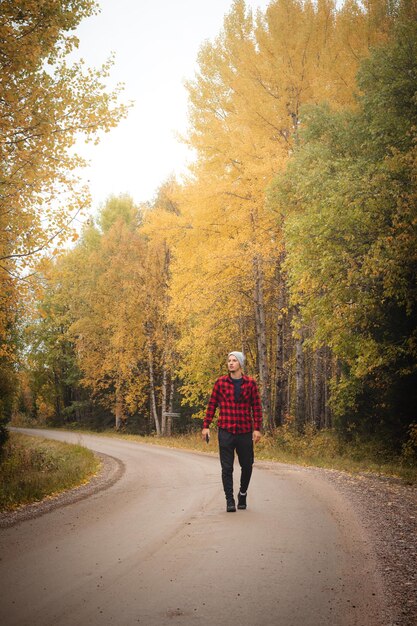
(298, 277)
(81, 335)
(102, 323)
(159, 227)
(108, 304)
(46, 104)
(351, 207)
(49, 377)
(245, 107)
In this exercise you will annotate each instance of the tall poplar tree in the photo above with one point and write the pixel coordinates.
(107, 298)
(245, 107)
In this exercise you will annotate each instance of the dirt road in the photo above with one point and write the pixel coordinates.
(157, 547)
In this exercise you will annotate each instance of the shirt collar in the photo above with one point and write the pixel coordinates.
(244, 379)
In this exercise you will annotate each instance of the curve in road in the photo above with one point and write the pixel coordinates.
(157, 547)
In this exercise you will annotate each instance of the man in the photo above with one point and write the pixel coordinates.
(239, 423)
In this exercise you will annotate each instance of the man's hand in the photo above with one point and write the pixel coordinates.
(256, 435)
(204, 433)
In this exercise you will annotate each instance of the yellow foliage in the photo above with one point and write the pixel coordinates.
(45, 104)
(244, 117)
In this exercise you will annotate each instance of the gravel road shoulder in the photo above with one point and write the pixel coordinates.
(387, 512)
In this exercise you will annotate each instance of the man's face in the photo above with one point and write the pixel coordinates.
(233, 364)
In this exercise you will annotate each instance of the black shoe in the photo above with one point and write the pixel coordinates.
(241, 501)
(231, 505)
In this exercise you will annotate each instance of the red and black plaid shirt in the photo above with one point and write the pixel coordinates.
(238, 417)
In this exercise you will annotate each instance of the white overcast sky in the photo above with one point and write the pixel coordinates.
(156, 43)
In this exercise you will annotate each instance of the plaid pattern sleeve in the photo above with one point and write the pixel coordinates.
(237, 417)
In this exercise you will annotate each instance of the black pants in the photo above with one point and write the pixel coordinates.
(243, 444)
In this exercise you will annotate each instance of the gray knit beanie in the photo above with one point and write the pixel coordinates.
(240, 357)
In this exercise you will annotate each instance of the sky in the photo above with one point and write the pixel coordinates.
(156, 43)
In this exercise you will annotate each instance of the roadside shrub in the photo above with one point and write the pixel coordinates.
(409, 451)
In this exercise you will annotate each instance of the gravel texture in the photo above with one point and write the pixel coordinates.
(387, 510)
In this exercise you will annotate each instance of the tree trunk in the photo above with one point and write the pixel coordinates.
(170, 407)
(279, 374)
(299, 384)
(164, 401)
(262, 343)
(119, 417)
(318, 380)
(309, 365)
(152, 389)
(57, 399)
(328, 373)
(281, 381)
(289, 351)
(326, 415)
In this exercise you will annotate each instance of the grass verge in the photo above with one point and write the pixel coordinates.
(32, 468)
(313, 449)
(325, 449)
